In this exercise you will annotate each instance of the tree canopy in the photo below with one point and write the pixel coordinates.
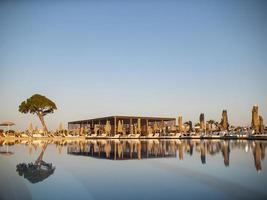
(37, 104)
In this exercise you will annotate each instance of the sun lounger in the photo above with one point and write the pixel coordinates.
(37, 135)
(116, 136)
(23, 135)
(134, 135)
(156, 135)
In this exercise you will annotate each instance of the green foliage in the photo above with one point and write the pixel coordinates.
(37, 104)
(197, 124)
(211, 122)
(10, 131)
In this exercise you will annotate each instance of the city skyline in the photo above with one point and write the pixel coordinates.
(147, 59)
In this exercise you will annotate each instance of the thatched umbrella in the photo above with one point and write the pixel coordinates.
(82, 131)
(107, 127)
(120, 127)
(96, 129)
(61, 127)
(8, 124)
(155, 127)
(30, 128)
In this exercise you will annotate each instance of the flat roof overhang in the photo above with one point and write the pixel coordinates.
(123, 117)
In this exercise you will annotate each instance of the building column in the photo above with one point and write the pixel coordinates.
(115, 125)
(131, 122)
(147, 126)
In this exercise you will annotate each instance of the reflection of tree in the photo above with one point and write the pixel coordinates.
(203, 153)
(38, 171)
(226, 153)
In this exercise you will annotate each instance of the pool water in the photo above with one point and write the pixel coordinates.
(133, 169)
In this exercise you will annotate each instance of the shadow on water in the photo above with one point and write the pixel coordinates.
(37, 171)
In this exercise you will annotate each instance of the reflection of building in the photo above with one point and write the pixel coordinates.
(124, 150)
(127, 123)
(154, 148)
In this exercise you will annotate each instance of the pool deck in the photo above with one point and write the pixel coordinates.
(257, 137)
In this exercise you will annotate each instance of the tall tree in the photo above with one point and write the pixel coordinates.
(211, 122)
(38, 105)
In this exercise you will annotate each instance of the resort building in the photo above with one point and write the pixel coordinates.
(125, 125)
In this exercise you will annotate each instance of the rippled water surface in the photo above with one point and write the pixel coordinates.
(133, 169)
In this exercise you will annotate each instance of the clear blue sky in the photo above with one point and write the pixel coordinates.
(162, 58)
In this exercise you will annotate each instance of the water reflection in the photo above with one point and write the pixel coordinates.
(137, 149)
(37, 171)
(6, 144)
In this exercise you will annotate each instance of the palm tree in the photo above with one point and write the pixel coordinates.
(211, 122)
(217, 125)
(197, 124)
(189, 124)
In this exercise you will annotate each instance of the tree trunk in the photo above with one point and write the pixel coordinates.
(40, 158)
(41, 117)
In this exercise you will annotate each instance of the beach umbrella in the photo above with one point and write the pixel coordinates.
(107, 127)
(95, 129)
(155, 127)
(120, 128)
(61, 127)
(8, 124)
(81, 130)
(36, 129)
(30, 128)
(149, 130)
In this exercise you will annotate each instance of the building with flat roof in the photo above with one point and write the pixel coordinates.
(124, 125)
